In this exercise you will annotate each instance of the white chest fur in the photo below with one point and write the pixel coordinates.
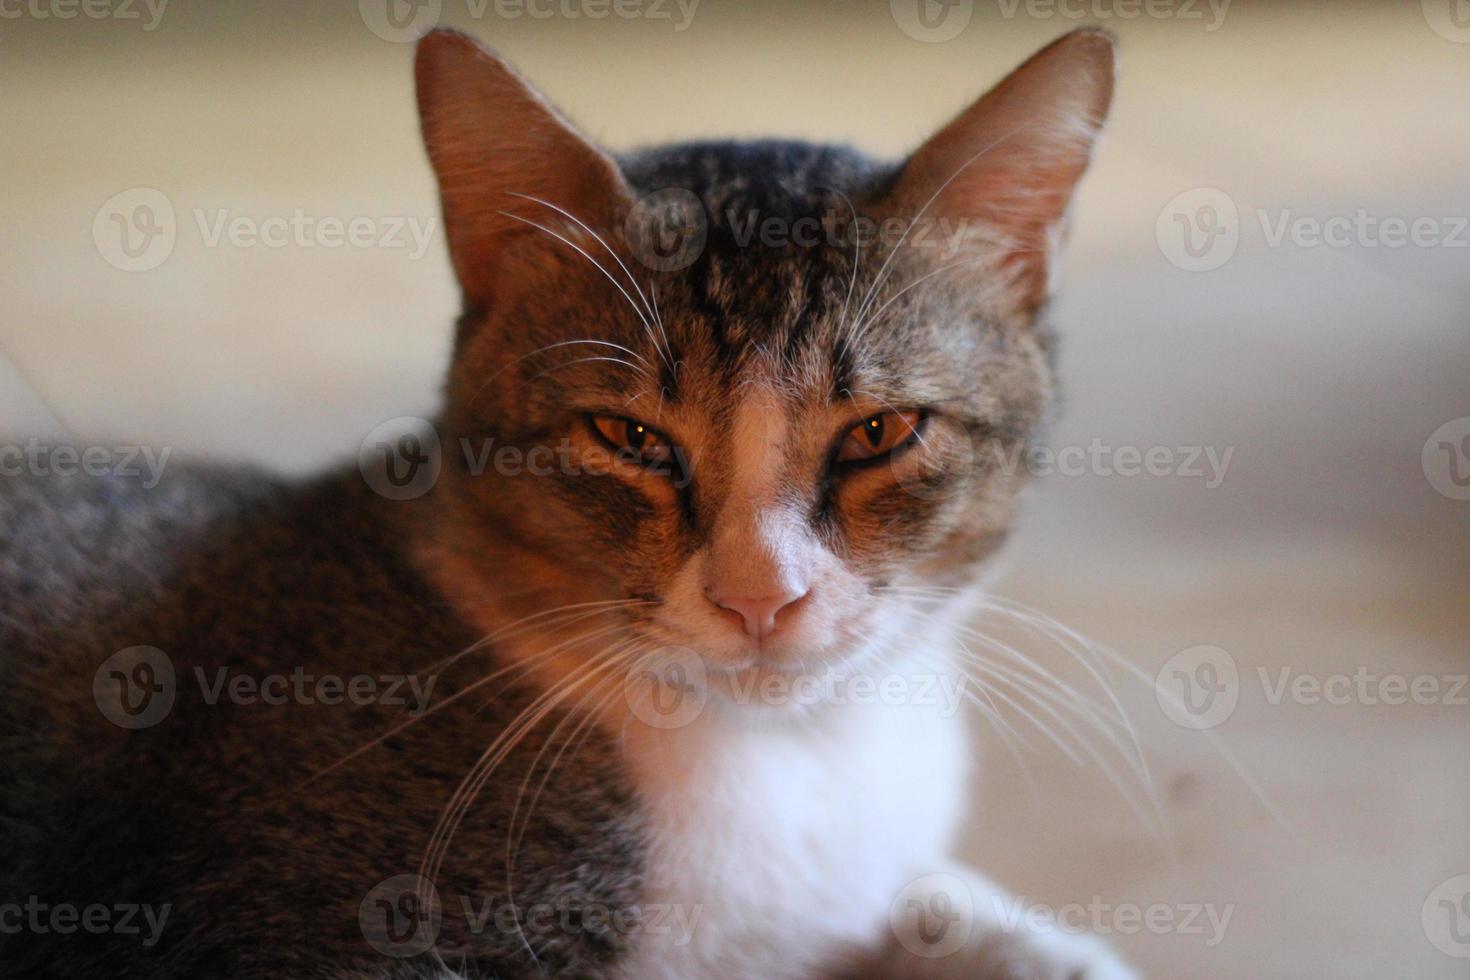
(778, 844)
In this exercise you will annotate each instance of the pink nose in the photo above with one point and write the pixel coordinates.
(757, 614)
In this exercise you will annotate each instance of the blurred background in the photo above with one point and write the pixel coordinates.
(1268, 287)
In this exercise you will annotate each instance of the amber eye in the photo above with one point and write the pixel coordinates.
(633, 437)
(879, 435)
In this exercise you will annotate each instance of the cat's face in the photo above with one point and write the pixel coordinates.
(759, 443)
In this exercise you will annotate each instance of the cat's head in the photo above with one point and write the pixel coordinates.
(748, 390)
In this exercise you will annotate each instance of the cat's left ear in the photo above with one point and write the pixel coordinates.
(497, 144)
(1009, 163)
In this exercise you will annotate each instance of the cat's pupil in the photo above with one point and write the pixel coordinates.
(874, 431)
(637, 435)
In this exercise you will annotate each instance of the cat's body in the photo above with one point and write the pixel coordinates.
(769, 839)
(208, 811)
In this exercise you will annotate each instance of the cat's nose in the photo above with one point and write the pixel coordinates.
(758, 614)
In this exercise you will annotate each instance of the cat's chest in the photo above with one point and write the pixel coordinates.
(772, 849)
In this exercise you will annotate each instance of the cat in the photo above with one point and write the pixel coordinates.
(770, 421)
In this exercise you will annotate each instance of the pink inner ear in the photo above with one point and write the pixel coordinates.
(500, 149)
(1011, 161)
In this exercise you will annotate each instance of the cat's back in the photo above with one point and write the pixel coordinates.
(77, 547)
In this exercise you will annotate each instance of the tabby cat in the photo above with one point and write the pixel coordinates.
(566, 683)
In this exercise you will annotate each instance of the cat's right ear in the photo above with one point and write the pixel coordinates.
(495, 143)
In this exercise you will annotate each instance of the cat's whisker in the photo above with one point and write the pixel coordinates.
(1133, 671)
(519, 667)
(1011, 739)
(582, 610)
(1151, 818)
(588, 726)
(1043, 699)
(604, 690)
(663, 350)
(494, 754)
(892, 408)
(857, 252)
(880, 277)
(642, 317)
(628, 644)
(652, 308)
(861, 328)
(1077, 645)
(1052, 628)
(541, 350)
(586, 360)
(1098, 715)
(1050, 690)
(599, 343)
(513, 839)
(1050, 682)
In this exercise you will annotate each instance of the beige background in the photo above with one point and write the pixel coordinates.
(1325, 550)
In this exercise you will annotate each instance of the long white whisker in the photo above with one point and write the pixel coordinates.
(650, 307)
(600, 268)
(879, 278)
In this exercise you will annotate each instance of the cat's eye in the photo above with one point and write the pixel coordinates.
(633, 438)
(879, 435)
